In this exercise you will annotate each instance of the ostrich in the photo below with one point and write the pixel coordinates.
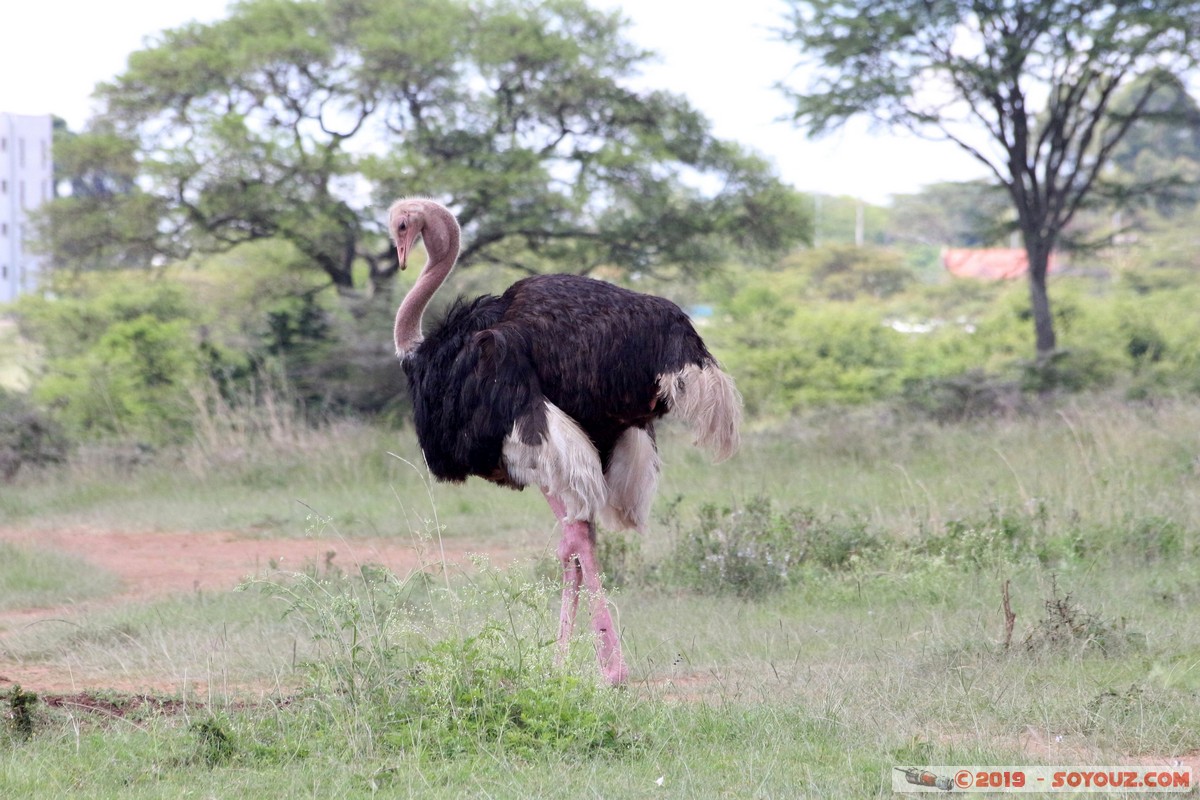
(557, 384)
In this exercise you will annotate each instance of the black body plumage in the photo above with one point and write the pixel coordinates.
(593, 349)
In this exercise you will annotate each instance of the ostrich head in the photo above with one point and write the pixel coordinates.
(414, 218)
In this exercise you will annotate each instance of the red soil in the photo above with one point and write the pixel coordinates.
(154, 565)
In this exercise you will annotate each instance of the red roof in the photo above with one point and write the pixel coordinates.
(990, 263)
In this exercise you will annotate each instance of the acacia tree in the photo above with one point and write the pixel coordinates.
(302, 120)
(1160, 156)
(1026, 88)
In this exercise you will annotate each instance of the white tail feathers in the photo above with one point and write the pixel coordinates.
(565, 464)
(706, 399)
(632, 479)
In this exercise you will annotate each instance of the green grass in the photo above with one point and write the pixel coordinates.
(211, 640)
(815, 693)
(34, 578)
(363, 480)
(1093, 460)
(444, 687)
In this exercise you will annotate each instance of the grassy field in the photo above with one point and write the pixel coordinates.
(881, 643)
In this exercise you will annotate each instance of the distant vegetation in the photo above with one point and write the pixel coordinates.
(175, 296)
(151, 360)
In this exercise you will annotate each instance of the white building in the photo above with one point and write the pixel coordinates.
(26, 181)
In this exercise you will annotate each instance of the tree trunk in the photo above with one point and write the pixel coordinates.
(382, 270)
(1043, 321)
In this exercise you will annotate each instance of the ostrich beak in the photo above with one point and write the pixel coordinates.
(406, 239)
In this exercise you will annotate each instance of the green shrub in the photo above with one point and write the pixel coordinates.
(1073, 370)
(969, 395)
(844, 272)
(465, 692)
(215, 743)
(20, 716)
(841, 353)
(120, 358)
(1002, 536)
(441, 672)
(800, 337)
(621, 558)
(28, 437)
(1152, 537)
(754, 550)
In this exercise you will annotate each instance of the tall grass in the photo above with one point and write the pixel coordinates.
(260, 466)
(1098, 462)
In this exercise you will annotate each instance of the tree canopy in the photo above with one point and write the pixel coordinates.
(303, 119)
(1027, 88)
(1158, 160)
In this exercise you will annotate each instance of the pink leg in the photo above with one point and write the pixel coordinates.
(572, 584)
(577, 552)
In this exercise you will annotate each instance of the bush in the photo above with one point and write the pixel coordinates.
(433, 672)
(469, 691)
(1069, 626)
(1073, 370)
(999, 537)
(754, 550)
(970, 395)
(27, 437)
(844, 272)
(119, 359)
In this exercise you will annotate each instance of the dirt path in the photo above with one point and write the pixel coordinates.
(154, 565)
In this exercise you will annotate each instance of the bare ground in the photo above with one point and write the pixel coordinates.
(155, 565)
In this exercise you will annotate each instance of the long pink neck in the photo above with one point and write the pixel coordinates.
(441, 244)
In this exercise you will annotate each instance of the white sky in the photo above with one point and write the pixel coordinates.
(721, 55)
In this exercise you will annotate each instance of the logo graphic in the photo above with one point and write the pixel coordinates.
(923, 777)
(1039, 779)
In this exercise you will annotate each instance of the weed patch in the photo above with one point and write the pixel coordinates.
(754, 550)
(1068, 626)
(431, 673)
(1000, 536)
(214, 742)
(468, 692)
(20, 715)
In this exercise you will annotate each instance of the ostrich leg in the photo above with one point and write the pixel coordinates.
(581, 569)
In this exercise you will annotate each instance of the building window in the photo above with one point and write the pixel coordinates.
(4, 272)
(21, 152)
(3, 144)
(3, 229)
